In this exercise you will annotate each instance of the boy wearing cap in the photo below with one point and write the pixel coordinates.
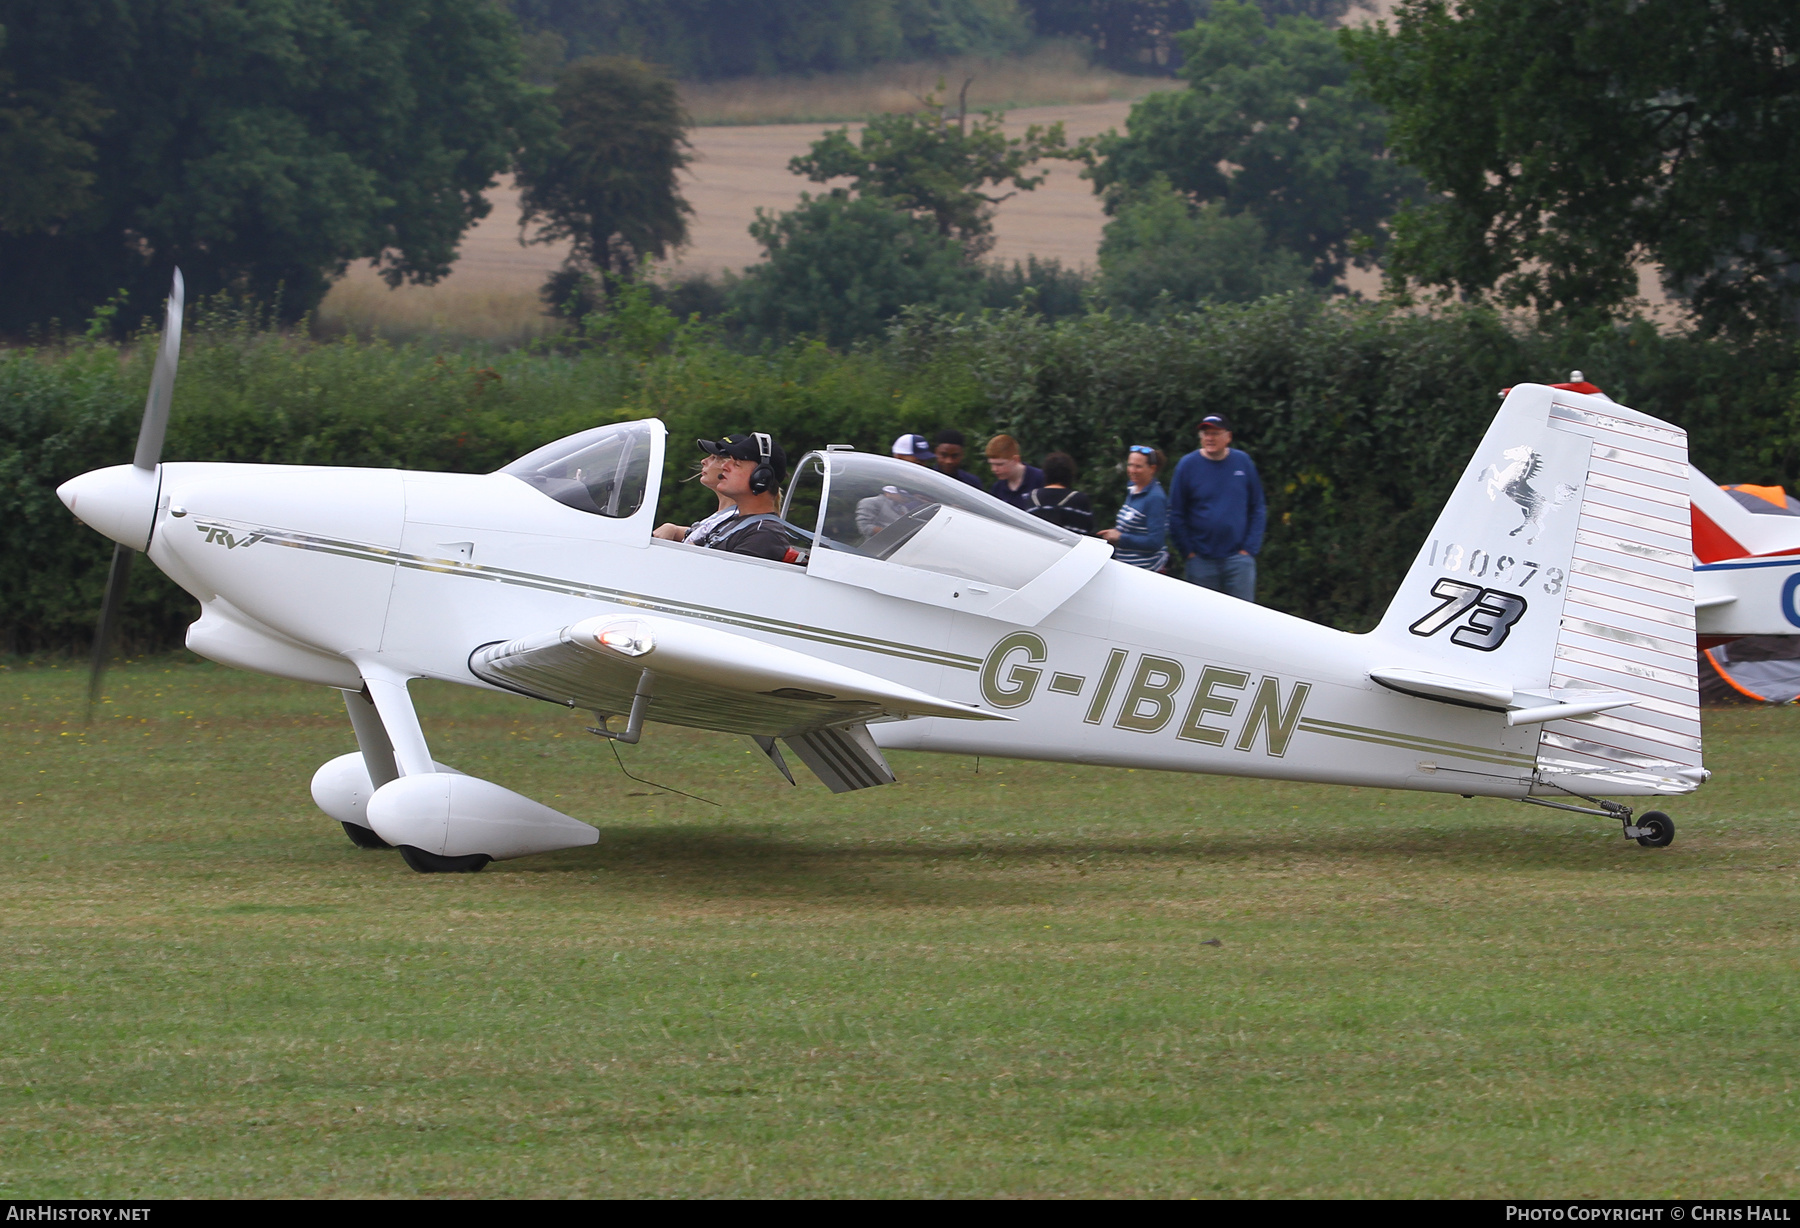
(751, 467)
(1016, 479)
(912, 448)
(1217, 513)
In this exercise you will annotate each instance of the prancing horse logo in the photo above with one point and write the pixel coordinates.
(1514, 481)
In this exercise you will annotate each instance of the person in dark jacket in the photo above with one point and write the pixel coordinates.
(1015, 479)
(1141, 533)
(1217, 513)
(947, 446)
(1058, 501)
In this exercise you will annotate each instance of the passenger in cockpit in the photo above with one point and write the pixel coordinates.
(697, 533)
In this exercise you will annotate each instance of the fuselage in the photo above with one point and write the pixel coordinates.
(302, 572)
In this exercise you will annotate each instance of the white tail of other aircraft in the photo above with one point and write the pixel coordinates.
(1557, 585)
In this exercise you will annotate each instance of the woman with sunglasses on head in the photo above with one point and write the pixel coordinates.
(1143, 524)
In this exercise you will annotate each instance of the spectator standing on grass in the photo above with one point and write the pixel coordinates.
(1140, 535)
(948, 447)
(1217, 513)
(1058, 501)
(1015, 479)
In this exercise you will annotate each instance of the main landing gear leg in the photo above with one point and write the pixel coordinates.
(1653, 829)
(378, 758)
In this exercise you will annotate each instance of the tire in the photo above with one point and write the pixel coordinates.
(437, 863)
(1660, 826)
(363, 838)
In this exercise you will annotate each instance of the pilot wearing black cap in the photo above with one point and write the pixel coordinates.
(750, 476)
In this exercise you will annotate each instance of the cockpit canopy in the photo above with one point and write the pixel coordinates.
(604, 471)
(881, 508)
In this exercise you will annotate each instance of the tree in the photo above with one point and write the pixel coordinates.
(261, 145)
(608, 182)
(840, 268)
(1160, 252)
(1271, 125)
(1139, 35)
(1569, 140)
(710, 39)
(934, 164)
(46, 158)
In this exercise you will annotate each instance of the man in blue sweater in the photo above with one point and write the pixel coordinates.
(1217, 513)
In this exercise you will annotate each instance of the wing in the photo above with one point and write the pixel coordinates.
(711, 679)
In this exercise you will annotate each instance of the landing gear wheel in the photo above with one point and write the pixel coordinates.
(437, 863)
(364, 838)
(1658, 829)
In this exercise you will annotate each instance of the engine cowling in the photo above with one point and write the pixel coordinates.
(451, 815)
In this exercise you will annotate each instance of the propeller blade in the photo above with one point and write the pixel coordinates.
(117, 581)
(162, 383)
(149, 453)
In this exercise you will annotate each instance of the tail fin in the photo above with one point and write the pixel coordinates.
(1562, 568)
(1726, 529)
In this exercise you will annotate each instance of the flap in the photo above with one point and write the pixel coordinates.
(845, 759)
(704, 677)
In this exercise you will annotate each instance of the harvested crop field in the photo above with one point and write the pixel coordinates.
(493, 292)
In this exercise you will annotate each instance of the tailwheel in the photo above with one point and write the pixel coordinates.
(437, 863)
(1655, 829)
(364, 838)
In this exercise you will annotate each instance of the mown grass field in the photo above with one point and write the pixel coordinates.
(970, 984)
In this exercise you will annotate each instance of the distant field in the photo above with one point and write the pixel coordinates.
(751, 129)
(492, 293)
(1000, 983)
(1058, 75)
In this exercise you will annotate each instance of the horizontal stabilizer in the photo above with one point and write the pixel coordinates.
(1423, 685)
(1521, 707)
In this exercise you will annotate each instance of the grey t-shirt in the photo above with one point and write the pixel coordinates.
(704, 529)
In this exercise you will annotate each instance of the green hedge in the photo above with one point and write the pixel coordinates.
(1358, 418)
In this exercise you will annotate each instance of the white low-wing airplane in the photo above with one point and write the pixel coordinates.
(1541, 647)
